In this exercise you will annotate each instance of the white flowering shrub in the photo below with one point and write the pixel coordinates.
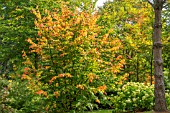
(133, 97)
(167, 94)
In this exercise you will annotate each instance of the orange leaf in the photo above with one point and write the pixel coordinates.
(52, 79)
(98, 101)
(56, 94)
(102, 88)
(39, 92)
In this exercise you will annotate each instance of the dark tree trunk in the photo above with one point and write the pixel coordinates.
(151, 63)
(160, 101)
(137, 69)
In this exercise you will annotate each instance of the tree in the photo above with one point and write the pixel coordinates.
(166, 38)
(130, 21)
(76, 60)
(160, 101)
(17, 25)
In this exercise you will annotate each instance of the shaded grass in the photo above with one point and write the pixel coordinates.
(110, 111)
(148, 112)
(100, 111)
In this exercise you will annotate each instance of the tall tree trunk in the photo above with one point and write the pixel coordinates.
(160, 101)
(151, 63)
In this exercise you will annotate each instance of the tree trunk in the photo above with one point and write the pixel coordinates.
(160, 101)
(137, 69)
(151, 63)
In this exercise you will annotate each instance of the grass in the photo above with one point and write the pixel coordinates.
(110, 111)
(101, 111)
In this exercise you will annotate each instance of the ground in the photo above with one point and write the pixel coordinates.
(110, 111)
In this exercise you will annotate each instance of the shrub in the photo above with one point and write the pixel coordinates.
(133, 97)
(17, 97)
(3, 96)
(167, 79)
(22, 98)
(167, 99)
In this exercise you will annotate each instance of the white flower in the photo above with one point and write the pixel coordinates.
(134, 99)
(119, 89)
(146, 95)
(124, 110)
(123, 88)
(135, 105)
(143, 98)
(138, 90)
(128, 101)
(128, 92)
(124, 104)
(134, 93)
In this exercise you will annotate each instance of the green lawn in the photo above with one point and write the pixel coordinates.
(110, 111)
(101, 111)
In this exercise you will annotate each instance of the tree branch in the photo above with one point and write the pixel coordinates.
(151, 3)
(164, 1)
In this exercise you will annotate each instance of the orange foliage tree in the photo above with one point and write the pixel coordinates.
(75, 59)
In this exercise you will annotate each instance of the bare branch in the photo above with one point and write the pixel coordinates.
(151, 3)
(164, 1)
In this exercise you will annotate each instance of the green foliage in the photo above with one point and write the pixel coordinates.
(166, 39)
(101, 111)
(133, 97)
(130, 20)
(17, 25)
(168, 99)
(18, 98)
(75, 59)
(23, 99)
(3, 96)
(167, 78)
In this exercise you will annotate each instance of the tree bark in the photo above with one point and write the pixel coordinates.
(159, 92)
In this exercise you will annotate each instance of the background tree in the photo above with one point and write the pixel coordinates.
(78, 57)
(166, 42)
(17, 25)
(129, 20)
(160, 101)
